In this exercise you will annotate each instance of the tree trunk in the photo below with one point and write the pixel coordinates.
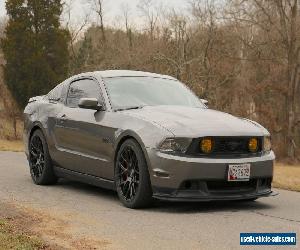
(15, 127)
(292, 47)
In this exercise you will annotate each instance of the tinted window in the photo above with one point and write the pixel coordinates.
(140, 91)
(82, 89)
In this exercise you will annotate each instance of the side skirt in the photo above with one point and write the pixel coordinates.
(85, 178)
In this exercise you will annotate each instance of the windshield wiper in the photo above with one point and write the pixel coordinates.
(129, 108)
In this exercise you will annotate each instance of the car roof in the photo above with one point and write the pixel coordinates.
(125, 73)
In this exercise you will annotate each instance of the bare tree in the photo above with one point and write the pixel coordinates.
(128, 28)
(76, 29)
(148, 10)
(98, 7)
(243, 59)
(11, 110)
(280, 20)
(3, 23)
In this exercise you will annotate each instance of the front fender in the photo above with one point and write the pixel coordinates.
(127, 134)
(146, 140)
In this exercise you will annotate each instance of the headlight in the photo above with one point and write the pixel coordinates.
(206, 145)
(267, 143)
(175, 145)
(253, 145)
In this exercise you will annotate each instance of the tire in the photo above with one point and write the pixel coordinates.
(40, 163)
(132, 176)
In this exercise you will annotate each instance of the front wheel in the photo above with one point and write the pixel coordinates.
(132, 177)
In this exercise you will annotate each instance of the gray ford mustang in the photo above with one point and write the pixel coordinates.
(146, 136)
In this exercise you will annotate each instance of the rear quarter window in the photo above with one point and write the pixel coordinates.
(59, 93)
(55, 93)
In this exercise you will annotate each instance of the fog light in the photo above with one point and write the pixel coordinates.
(206, 145)
(253, 145)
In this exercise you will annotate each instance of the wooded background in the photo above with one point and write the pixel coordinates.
(243, 56)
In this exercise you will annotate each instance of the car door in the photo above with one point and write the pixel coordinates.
(80, 134)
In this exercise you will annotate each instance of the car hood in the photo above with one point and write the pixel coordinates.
(197, 122)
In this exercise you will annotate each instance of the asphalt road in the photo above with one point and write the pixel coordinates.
(93, 212)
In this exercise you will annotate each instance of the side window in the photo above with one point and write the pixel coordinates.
(85, 88)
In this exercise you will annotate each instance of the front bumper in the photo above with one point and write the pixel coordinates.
(204, 179)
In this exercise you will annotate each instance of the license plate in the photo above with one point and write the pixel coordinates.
(239, 172)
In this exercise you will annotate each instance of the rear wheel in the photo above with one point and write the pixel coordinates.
(132, 177)
(40, 163)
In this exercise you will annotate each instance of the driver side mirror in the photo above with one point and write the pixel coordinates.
(90, 103)
(205, 102)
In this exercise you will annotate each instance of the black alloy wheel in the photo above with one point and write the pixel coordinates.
(40, 162)
(128, 173)
(37, 157)
(132, 177)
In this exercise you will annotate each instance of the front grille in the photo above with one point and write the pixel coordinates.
(236, 186)
(226, 147)
(224, 187)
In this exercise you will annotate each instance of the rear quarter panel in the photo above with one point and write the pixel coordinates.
(40, 114)
(30, 120)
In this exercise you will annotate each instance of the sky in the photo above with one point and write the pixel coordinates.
(113, 9)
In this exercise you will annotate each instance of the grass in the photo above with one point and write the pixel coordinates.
(7, 129)
(10, 238)
(287, 177)
(8, 140)
(15, 146)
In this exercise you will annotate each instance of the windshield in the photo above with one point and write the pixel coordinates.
(126, 92)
